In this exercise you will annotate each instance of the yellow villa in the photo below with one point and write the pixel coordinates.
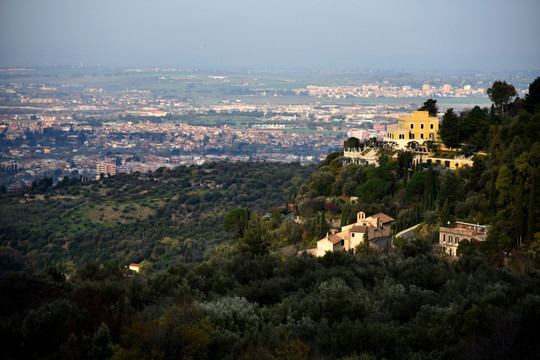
(419, 127)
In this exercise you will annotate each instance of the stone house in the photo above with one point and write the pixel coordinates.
(350, 236)
(449, 237)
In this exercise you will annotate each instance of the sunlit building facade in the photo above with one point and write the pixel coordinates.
(419, 127)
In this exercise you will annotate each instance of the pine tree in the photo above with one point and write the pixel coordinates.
(430, 105)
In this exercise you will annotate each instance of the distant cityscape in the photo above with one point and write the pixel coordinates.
(66, 122)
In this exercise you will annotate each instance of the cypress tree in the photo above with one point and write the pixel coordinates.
(429, 188)
(405, 177)
(445, 213)
(255, 237)
(531, 219)
(317, 226)
(344, 218)
(323, 225)
(517, 213)
(493, 193)
(449, 129)
(366, 241)
(476, 171)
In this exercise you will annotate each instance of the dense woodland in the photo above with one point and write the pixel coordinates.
(406, 305)
(221, 278)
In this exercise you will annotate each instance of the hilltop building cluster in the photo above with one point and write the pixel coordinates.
(378, 226)
(417, 132)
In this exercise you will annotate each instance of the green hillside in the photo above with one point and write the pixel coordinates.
(221, 278)
(163, 218)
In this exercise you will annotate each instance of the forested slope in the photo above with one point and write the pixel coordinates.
(500, 189)
(246, 299)
(408, 305)
(163, 218)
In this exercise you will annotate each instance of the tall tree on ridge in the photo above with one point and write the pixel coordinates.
(531, 218)
(449, 129)
(429, 189)
(532, 99)
(430, 105)
(501, 94)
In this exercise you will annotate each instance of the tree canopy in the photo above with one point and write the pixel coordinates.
(430, 105)
(351, 142)
(532, 98)
(449, 129)
(501, 94)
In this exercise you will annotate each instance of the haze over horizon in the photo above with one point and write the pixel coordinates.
(489, 35)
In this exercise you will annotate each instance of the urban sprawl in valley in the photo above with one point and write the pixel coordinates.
(67, 121)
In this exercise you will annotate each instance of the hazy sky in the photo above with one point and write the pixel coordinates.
(286, 34)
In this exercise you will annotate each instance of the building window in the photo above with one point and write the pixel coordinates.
(411, 136)
(402, 136)
(421, 136)
(444, 238)
(352, 235)
(456, 240)
(421, 126)
(450, 239)
(412, 126)
(431, 126)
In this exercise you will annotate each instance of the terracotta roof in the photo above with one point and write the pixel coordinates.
(358, 229)
(382, 217)
(335, 238)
